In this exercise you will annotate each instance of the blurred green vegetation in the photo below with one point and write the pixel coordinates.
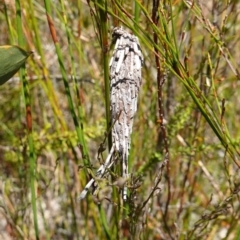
(54, 113)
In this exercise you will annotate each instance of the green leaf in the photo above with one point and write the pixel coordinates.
(11, 59)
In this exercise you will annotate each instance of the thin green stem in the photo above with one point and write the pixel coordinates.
(26, 92)
(79, 130)
(105, 47)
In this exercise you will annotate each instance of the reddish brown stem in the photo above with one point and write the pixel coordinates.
(160, 82)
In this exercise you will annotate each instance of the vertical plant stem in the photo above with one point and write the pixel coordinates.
(74, 227)
(48, 87)
(8, 23)
(73, 74)
(28, 121)
(104, 222)
(79, 130)
(103, 28)
(136, 15)
(160, 82)
(104, 46)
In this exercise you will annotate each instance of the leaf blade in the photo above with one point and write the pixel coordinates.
(12, 59)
